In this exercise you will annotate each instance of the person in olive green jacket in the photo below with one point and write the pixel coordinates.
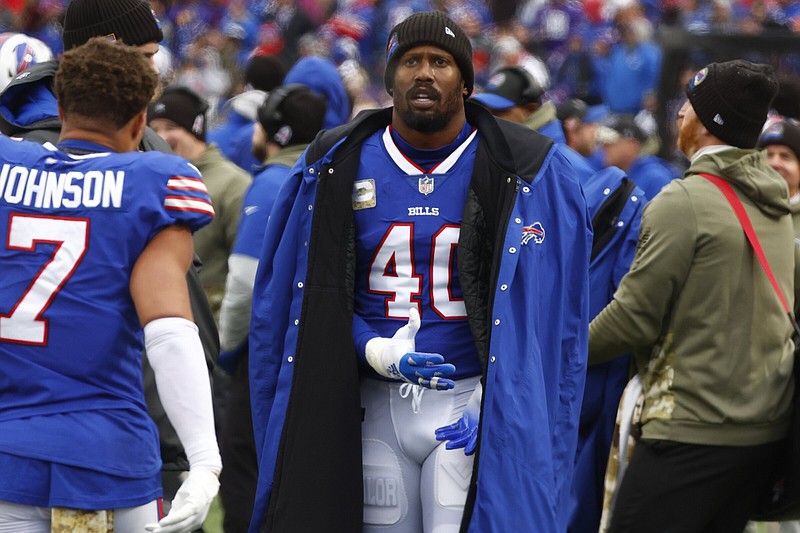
(179, 117)
(710, 338)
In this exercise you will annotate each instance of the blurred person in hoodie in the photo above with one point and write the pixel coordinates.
(234, 134)
(320, 75)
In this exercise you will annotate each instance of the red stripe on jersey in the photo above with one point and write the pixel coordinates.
(186, 183)
(187, 203)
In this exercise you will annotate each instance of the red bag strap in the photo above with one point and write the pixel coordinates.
(747, 226)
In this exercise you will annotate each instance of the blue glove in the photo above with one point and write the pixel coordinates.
(396, 358)
(464, 432)
(425, 370)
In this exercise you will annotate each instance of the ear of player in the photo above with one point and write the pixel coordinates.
(397, 358)
(464, 432)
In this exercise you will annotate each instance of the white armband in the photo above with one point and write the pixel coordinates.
(176, 356)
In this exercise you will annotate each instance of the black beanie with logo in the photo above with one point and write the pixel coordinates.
(434, 28)
(131, 21)
(732, 100)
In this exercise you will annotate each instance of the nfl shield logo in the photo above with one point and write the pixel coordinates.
(426, 185)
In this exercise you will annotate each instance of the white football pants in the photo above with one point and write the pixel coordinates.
(412, 484)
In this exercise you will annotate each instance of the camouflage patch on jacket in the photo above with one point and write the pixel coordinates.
(659, 398)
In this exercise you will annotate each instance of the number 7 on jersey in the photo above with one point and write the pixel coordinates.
(24, 323)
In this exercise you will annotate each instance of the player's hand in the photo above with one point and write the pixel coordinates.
(397, 358)
(424, 369)
(464, 432)
(190, 506)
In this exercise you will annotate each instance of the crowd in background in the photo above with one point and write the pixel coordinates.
(602, 51)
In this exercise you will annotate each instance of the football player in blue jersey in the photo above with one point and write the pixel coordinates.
(28, 110)
(97, 241)
(415, 258)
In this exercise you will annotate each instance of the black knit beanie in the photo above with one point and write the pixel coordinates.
(182, 106)
(437, 29)
(131, 21)
(732, 100)
(785, 133)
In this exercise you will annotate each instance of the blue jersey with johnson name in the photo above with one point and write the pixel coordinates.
(407, 223)
(72, 228)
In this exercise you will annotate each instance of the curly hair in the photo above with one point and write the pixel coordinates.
(104, 81)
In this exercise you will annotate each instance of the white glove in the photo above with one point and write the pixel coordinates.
(396, 358)
(191, 504)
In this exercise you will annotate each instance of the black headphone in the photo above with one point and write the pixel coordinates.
(269, 113)
(533, 91)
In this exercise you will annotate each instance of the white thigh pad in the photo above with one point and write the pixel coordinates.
(453, 472)
(385, 498)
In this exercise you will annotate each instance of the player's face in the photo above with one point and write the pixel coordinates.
(180, 140)
(689, 130)
(784, 161)
(428, 91)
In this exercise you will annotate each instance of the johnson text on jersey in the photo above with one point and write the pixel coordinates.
(46, 189)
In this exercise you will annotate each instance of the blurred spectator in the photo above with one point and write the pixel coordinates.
(575, 77)
(202, 70)
(293, 23)
(552, 27)
(787, 103)
(621, 141)
(514, 94)
(179, 117)
(782, 142)
(474, 18)
(320, 75)
(161, 9)
(43, 21)
(349, 33)
(239, 23)
(629, 70)
(579, 122)
(165, 64)
(192, 19)
(706, 16)
(234, 134)
(356, 83)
